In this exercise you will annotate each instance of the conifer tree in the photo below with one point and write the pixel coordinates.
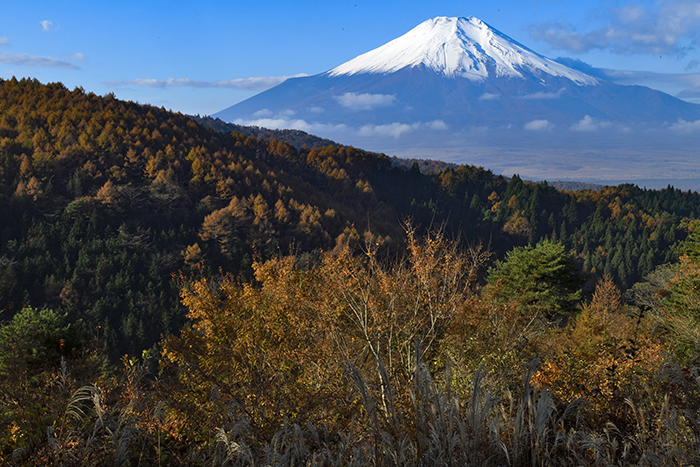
(542, 278)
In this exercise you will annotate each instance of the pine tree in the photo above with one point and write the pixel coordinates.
(542, 278)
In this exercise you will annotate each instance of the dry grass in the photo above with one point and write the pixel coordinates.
(437, 428)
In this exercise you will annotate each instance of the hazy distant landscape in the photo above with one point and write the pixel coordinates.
(588, 157)
(651, 158)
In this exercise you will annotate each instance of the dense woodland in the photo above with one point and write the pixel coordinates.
(174, 292)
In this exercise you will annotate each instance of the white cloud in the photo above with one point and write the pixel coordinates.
(631, 13)
(279, 117)
(278, 122)
(684, 86)
(249, 84)
(46, 25)
(544, 95)
(537, 125)
(262, 113)
(437, 125)
(264, 118)
(79, 56)
(4, 41)
(487, 96)
(563, 35)
(585, 124)
(661, 27)
(317, 109)
(286, 113)
(20, 59)
(691, 94)
(393, 129)
(355, 101)
(397, 129)
(681, 126)
(589, 123)
(260, 83)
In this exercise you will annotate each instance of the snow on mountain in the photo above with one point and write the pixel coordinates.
(457, 89)
(464, 47)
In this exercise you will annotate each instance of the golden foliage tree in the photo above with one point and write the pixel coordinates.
(259, 349)
(603, 355)
(279, 348)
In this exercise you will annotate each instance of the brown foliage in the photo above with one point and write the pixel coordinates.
(260, 349)
(603, 356)
(280, 348)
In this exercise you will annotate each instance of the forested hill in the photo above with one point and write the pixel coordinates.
(104, 203)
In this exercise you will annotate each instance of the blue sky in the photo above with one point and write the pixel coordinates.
(201, 57)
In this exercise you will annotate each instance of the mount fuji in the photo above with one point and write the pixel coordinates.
(458, 90)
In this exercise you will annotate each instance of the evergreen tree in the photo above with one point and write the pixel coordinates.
(542, 278)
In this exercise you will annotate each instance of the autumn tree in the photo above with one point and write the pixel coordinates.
(280, 347)
(603, 355)
(388, 310)
(263, 350)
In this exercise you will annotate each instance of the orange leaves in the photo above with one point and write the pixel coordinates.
(193, 256)
(263, 347)
(108, 194)
(222, 225)
(384, 309)
(601, 354)
(517, 224)
(280, 345)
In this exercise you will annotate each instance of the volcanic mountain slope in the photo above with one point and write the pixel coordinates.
(452, 72)
(457, 90)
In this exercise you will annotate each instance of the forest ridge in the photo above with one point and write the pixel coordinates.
(230, 263)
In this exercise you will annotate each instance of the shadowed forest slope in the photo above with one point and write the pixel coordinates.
(103, 201)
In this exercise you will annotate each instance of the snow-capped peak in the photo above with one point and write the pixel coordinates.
(465, 47)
